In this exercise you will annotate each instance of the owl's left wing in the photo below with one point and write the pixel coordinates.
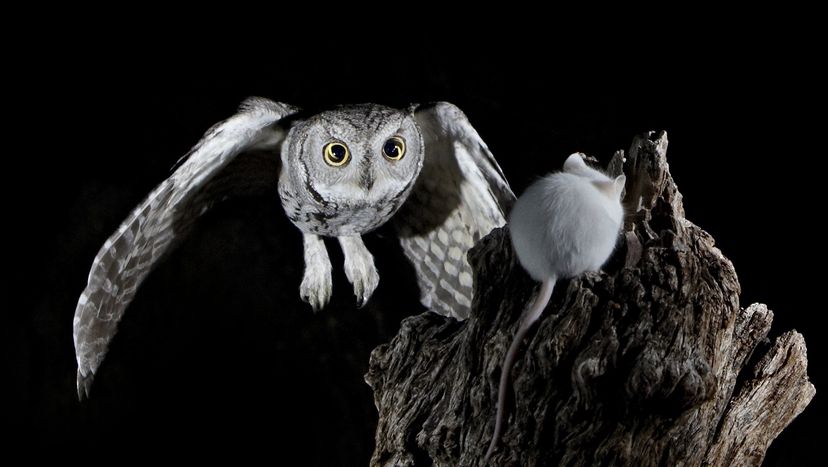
(460, 196)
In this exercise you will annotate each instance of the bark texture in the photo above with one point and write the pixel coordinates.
(650, 362)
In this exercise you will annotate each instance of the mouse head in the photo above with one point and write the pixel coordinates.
(612, 188)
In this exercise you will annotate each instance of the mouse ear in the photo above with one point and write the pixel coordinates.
(619, 183)
(574, 163)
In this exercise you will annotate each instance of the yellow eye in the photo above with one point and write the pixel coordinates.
(336, 154)
(394, 148)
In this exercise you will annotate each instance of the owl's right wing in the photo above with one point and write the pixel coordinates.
(240, 154)
(460, 196)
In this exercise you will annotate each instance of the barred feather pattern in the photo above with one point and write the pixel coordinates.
(460, 196)
(164, 217)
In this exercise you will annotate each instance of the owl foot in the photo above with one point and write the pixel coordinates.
(316, 282)
(359, 268)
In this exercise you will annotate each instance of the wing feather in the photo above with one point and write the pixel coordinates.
(210, 171)
(460, 196)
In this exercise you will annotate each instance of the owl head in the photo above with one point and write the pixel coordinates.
(351, 167)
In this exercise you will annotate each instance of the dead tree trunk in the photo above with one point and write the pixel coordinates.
(647, 363)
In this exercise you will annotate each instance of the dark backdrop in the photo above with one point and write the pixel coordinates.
(217, 357)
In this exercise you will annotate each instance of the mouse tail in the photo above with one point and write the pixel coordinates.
(530, 316)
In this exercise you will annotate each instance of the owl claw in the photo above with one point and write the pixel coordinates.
(359, 268)
(316, 290)
(364, 286)
(316, 282)
(365, 280)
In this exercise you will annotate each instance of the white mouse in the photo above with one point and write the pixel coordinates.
(565, 224)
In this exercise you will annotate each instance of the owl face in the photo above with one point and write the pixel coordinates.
(346, 171)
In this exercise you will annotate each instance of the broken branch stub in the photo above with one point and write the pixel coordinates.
(643, 364)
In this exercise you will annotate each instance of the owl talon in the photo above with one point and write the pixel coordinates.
(316, 282)
(316, 290)
(359, 268)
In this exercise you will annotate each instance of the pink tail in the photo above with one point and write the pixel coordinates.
(526, 321)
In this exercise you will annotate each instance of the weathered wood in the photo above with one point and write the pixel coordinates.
(646, 363)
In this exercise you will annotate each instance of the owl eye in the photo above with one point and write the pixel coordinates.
(336, 154)
(394, 148)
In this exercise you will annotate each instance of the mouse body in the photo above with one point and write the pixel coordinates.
(563, 225)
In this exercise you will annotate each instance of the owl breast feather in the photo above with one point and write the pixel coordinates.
(335, 218)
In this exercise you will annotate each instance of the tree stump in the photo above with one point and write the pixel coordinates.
(650, 362)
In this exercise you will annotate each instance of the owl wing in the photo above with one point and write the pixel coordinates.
(237, 155)
(460, 196)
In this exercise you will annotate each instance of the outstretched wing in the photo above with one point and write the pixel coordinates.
(460, 196)
(237, 155)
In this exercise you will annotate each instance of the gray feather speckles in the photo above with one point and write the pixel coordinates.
(158, 223)
(357, 197)
(443, 195)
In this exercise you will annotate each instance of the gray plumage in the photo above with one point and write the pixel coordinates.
(427, 165)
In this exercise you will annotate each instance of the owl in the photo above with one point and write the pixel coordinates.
(340, 173)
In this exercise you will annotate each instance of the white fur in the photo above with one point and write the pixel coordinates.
(565, 224)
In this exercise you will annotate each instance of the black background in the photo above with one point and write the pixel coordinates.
(217, 357)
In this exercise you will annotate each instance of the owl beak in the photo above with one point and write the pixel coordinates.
(366, 176)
